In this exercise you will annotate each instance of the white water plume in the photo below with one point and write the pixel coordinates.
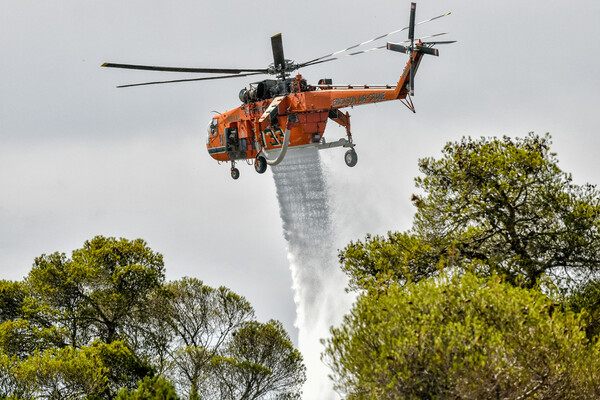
(318, 281)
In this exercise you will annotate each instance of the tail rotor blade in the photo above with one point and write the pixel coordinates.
(412, 74)
(397, 47)
(411, 37)
(411, 25)
(428, 50)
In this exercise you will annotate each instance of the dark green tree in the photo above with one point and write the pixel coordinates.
(12, 298)
(200, 320)
(156, 388)
(102, 291)
(60, 373)
(492, 291)
(504, 203)
(260, 362)
(104, 322)
(462, 338)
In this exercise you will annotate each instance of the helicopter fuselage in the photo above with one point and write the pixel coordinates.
(261, 126)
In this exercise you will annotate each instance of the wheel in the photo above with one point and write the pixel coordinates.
(351, 158)
(260, 164)
(235, 173)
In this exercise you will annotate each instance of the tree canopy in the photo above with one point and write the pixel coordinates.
(493, 292)
(462, 338)
(503, 203)
(105, 322)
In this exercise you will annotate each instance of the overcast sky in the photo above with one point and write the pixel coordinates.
(80, 158)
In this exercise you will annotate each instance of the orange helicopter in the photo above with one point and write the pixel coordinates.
(286, 112)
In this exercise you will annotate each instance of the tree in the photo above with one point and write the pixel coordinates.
(462, 337)
(156, 388)
(465, 304)
(200, 320)
(586, 300)
(104, 322)
(401, 257)
(101, 293)
(12, 297)
(501, 202)
(65, 373)
(102, 290)
(260, 362)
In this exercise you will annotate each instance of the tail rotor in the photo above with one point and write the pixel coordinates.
(412, 49)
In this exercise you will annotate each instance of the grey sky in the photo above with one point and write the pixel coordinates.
(80, 158)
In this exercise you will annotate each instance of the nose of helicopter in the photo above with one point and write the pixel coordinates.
(214, 141)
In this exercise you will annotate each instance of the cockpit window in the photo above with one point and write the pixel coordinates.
(212, 129)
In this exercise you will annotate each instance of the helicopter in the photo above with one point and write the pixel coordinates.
(287, 112)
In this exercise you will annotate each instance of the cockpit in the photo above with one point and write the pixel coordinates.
(212, 129)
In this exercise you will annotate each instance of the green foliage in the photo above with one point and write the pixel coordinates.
(401, 257)
(65, 373)
(259, 360)
(103, 324)
(156, 388)
(200, 319)
(467, 338)
(100, 291)
(21, 337)
(495, 208)
(501, 203)
(123, 367)
(11, 386)
(12, 297)
(507, 203)
(586, 300)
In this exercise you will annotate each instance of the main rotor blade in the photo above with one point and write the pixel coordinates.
(190, 80)
(184, 69)
(342, 56)
(314, 61)
(441, 42)
(277, 46)
(427, 37)
(389, 46)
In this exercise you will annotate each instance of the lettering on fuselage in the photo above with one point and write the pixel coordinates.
(273, 135)
(354, 100)
(233, 118)
(258, 109)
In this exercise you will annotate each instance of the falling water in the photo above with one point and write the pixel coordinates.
(317, 279)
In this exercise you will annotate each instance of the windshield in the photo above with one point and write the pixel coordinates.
(211, 129)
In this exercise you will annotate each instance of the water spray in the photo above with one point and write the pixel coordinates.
(318, 282)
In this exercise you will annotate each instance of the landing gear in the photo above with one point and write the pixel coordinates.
(260, 164)
(235, 173)
(351, 158)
